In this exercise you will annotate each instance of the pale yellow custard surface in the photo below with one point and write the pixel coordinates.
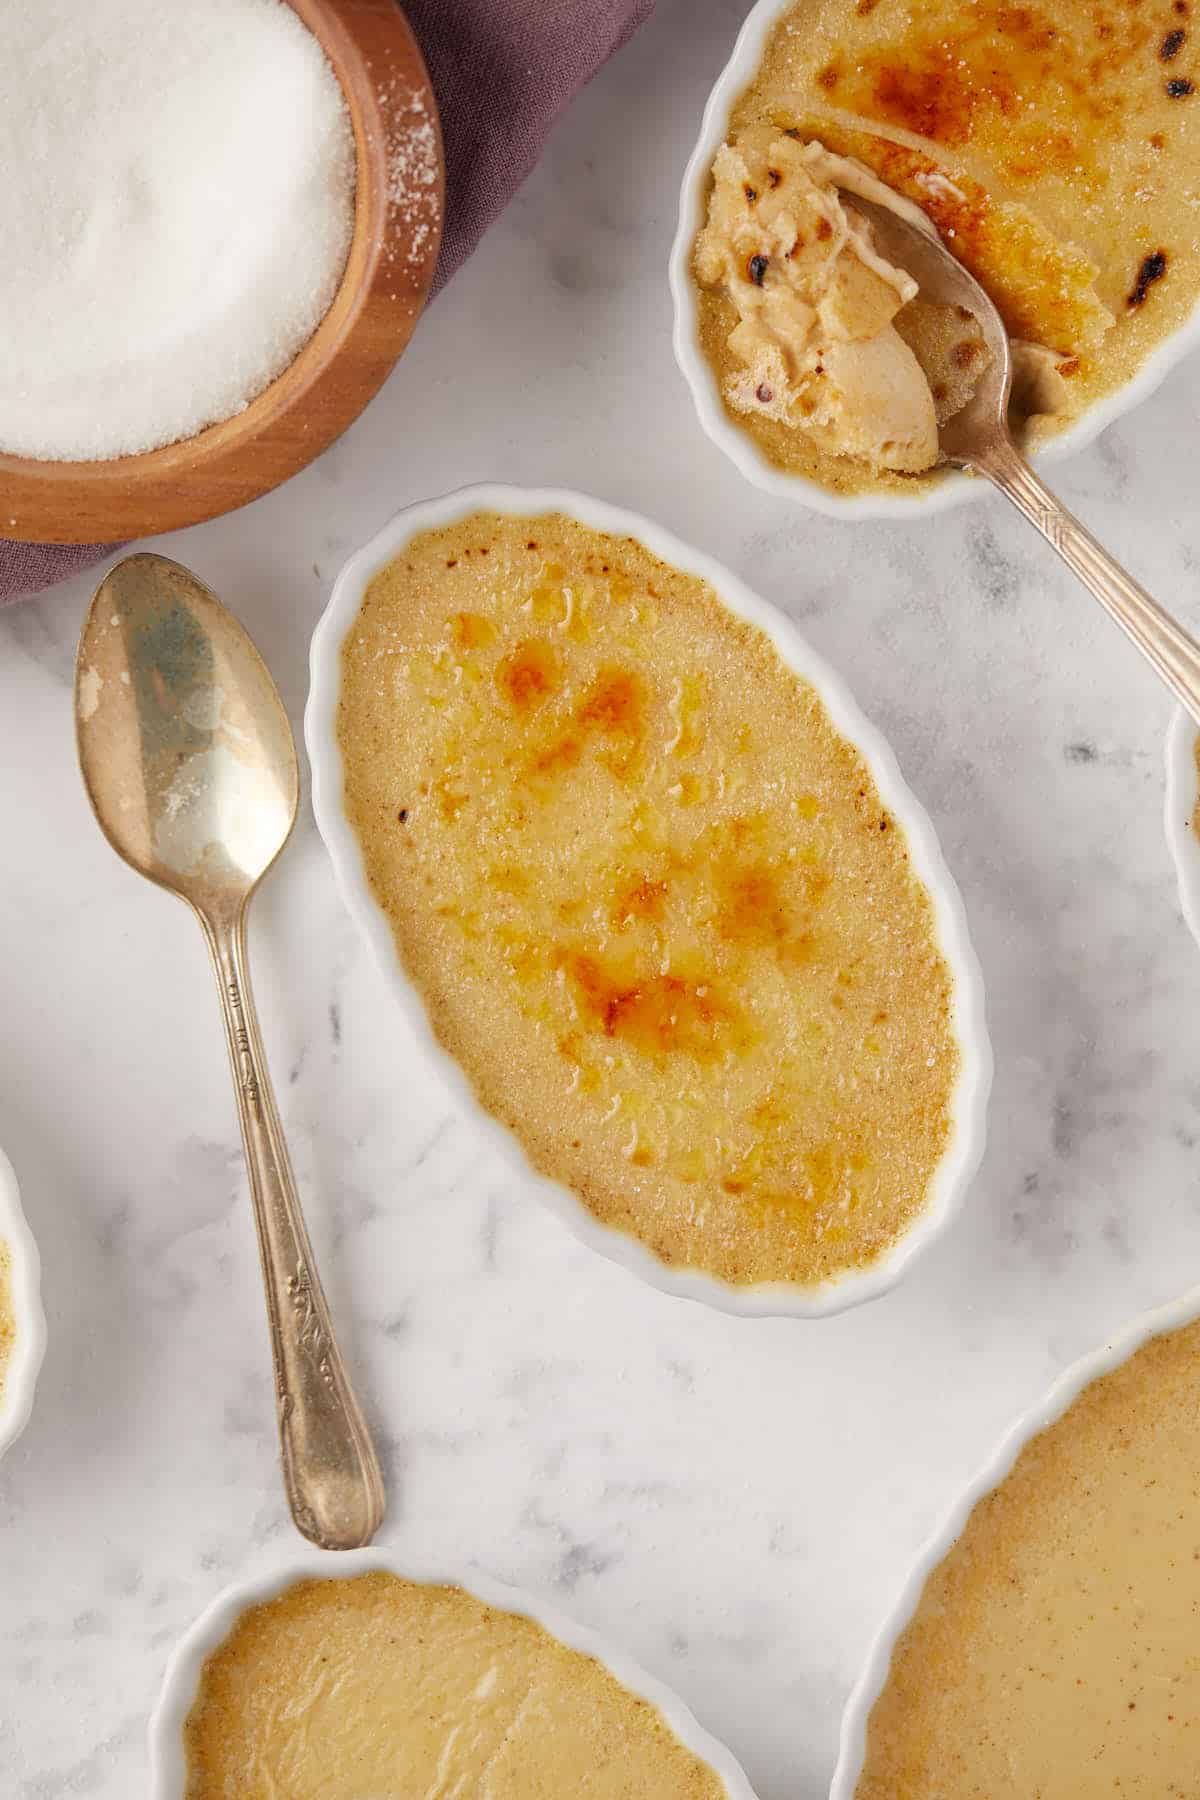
(650, 897)
(1055, 145)
(1055, 1652)
(377, 1688)
(8, 1328)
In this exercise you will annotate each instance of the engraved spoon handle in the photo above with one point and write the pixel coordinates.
(330, 1469)
(1161, 639)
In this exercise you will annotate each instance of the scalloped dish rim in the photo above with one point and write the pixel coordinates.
(1171, 1316)
(29, 1319)
(168, 1768)
(962, 1156)
(1179, 805)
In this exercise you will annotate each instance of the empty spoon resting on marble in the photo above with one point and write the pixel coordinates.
(979, 438)
(191, 769)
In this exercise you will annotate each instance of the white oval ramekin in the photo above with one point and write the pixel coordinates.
(29, 1321)
(852, 1749)
(168, 1768)
(971, 1091)
(950, 490)
(1182, 793)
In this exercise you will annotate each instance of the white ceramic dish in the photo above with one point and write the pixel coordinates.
(16, 1396)
(1182, 792)
(167, 1762)
(970, 1100)
(1069, 1385)
(739, 446)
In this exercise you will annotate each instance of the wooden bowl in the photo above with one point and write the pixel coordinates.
(392, 259)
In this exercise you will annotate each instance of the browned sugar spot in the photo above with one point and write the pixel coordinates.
(1172, 44)
(659, 1015)
(614, 702)
(528, 674)
(824, 229)
(645, 899)
(1153, 268)
(964, 354)
(471, 631)
(614, 705)
(1179, 87)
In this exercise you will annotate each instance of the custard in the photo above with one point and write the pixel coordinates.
(377, 1688)
(1055, 1651)
(1056, 147)
(8, 1329)
(650, 897)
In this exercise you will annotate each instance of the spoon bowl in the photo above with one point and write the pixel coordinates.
(978, 438)
(185, 747)
(945, 281)
(190, 765)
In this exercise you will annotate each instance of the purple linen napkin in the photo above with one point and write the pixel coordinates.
(502, 70)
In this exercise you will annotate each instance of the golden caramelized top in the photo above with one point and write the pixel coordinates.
(650, 897)
(1056, 145)
(1053, 1651)
(376, 1688)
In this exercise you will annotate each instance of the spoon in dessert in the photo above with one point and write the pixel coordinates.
(190, 765)
(979, 438)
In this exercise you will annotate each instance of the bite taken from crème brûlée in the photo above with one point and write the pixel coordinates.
(651, 898)
(1054, 146)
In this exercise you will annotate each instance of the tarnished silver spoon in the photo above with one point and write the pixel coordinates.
(979, 438)
(190, 766)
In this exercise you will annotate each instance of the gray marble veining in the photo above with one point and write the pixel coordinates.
(735, 1502)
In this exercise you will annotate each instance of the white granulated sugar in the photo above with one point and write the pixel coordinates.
(176, 209)
(413, 165)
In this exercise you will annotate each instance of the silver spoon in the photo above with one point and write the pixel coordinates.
(190, 766)
(978, 438)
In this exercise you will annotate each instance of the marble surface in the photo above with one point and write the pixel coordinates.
(734, 1502)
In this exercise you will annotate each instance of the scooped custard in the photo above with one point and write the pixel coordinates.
(7, 1323)
(1055, 1652)
(651, 898)
(1056, 148)
(376, 1688)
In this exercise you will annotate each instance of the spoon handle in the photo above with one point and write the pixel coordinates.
(1161, 639)
(330, 1470)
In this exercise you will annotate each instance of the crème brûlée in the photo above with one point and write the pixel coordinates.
(379, 1688)
(8, 1330)
(1055, 1651)
(1056, 148)
(651, 898)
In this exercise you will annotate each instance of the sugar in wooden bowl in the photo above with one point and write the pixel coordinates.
(221, 223)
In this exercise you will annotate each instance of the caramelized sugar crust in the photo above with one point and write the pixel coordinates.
(1054, 1651)
(1055, 144)
(375, 1688)
(650, 897)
